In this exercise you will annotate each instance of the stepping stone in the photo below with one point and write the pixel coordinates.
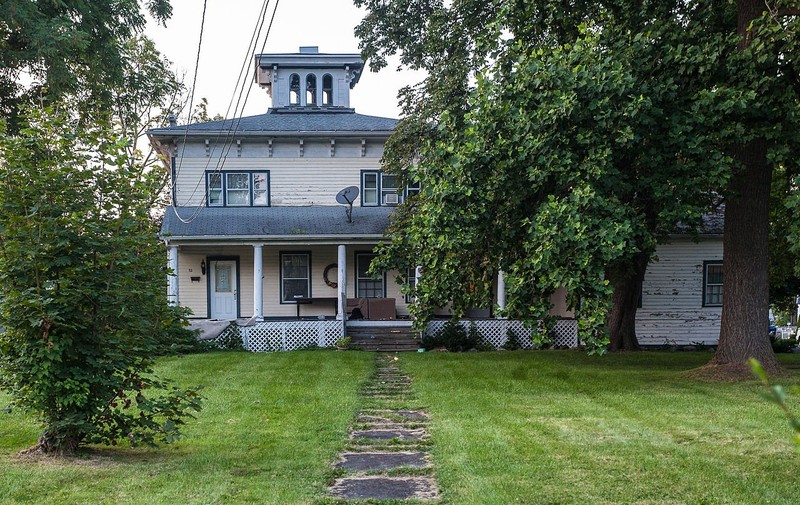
(370, 461)
(389, 434)
(384, 488)
(412, 414)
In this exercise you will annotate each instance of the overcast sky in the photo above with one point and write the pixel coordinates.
(229, 27)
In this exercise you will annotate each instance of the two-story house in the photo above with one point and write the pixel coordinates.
(255, 230)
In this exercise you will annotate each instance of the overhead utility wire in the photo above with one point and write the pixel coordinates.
(191, 102)
(241, 80)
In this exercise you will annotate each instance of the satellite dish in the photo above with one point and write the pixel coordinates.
(346, 197)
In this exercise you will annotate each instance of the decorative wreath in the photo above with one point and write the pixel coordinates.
(329, 282)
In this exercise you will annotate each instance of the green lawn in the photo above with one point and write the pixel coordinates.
(271, 425)
(508, 427)
(563, 427)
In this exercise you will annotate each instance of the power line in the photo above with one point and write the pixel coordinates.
(233, 123)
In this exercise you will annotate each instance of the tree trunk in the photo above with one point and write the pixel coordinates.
(745, 270)
(625, 301)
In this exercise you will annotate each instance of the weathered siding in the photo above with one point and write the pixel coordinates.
(293, 181)
(672, 306)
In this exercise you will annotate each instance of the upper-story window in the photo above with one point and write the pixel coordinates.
(237, 189)
(311, 89)
(327, 89)
(379, 189)
(294, 89)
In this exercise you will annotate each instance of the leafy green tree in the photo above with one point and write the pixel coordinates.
(666, 76)
(49, 50)
(758, 99)
(559, 168)
(82, 284)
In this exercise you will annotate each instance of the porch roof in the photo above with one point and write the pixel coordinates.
(284, 223)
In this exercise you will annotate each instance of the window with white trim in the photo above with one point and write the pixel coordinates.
(215, 189)
(379, 189)
(367, 286)
(295, 276)
(237, 189)
(712, 284)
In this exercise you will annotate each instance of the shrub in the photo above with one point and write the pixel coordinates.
(782, 345)
(231, 338)
(82, 285)
(512, 341)
(454, 337)
(175, 337)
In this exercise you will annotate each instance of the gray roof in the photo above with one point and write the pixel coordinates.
(282, 121)
(272, 222)
(711, 223)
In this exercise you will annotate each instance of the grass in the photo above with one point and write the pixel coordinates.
(507, 427)
(563, 427)
(271, 425)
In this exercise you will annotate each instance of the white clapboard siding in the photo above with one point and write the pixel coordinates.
(672, 309)
(293, 181)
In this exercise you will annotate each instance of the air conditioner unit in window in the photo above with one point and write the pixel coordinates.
(391, 199)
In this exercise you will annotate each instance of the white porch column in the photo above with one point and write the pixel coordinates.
(172, 276)
(501, 290)
(342, 283)
(258, 282)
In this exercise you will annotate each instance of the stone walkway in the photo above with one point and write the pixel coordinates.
(386, 456)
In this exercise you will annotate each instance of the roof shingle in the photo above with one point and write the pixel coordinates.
(266, 222)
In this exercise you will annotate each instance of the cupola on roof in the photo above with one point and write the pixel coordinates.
(308, 79)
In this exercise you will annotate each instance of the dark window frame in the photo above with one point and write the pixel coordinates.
(356, 278)
(251, 201)
(401, 195)
(281, 254)
(706, 264)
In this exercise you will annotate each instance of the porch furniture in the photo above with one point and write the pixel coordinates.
(374, 309)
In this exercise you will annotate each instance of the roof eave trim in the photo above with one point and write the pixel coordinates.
(269, 238)
(272, 133)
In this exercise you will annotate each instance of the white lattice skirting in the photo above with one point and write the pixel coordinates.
(267, 336)
(495, 331)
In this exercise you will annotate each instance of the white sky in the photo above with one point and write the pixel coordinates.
(228, 29)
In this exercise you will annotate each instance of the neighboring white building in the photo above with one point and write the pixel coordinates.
(255, 231)
(682, 291)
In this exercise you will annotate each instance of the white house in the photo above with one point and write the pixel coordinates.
(255, 231)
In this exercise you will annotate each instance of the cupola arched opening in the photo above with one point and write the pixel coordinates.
(294, 89)
(327, 89)
(311, 89)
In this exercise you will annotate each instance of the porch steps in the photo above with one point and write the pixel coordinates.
(383, 338)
